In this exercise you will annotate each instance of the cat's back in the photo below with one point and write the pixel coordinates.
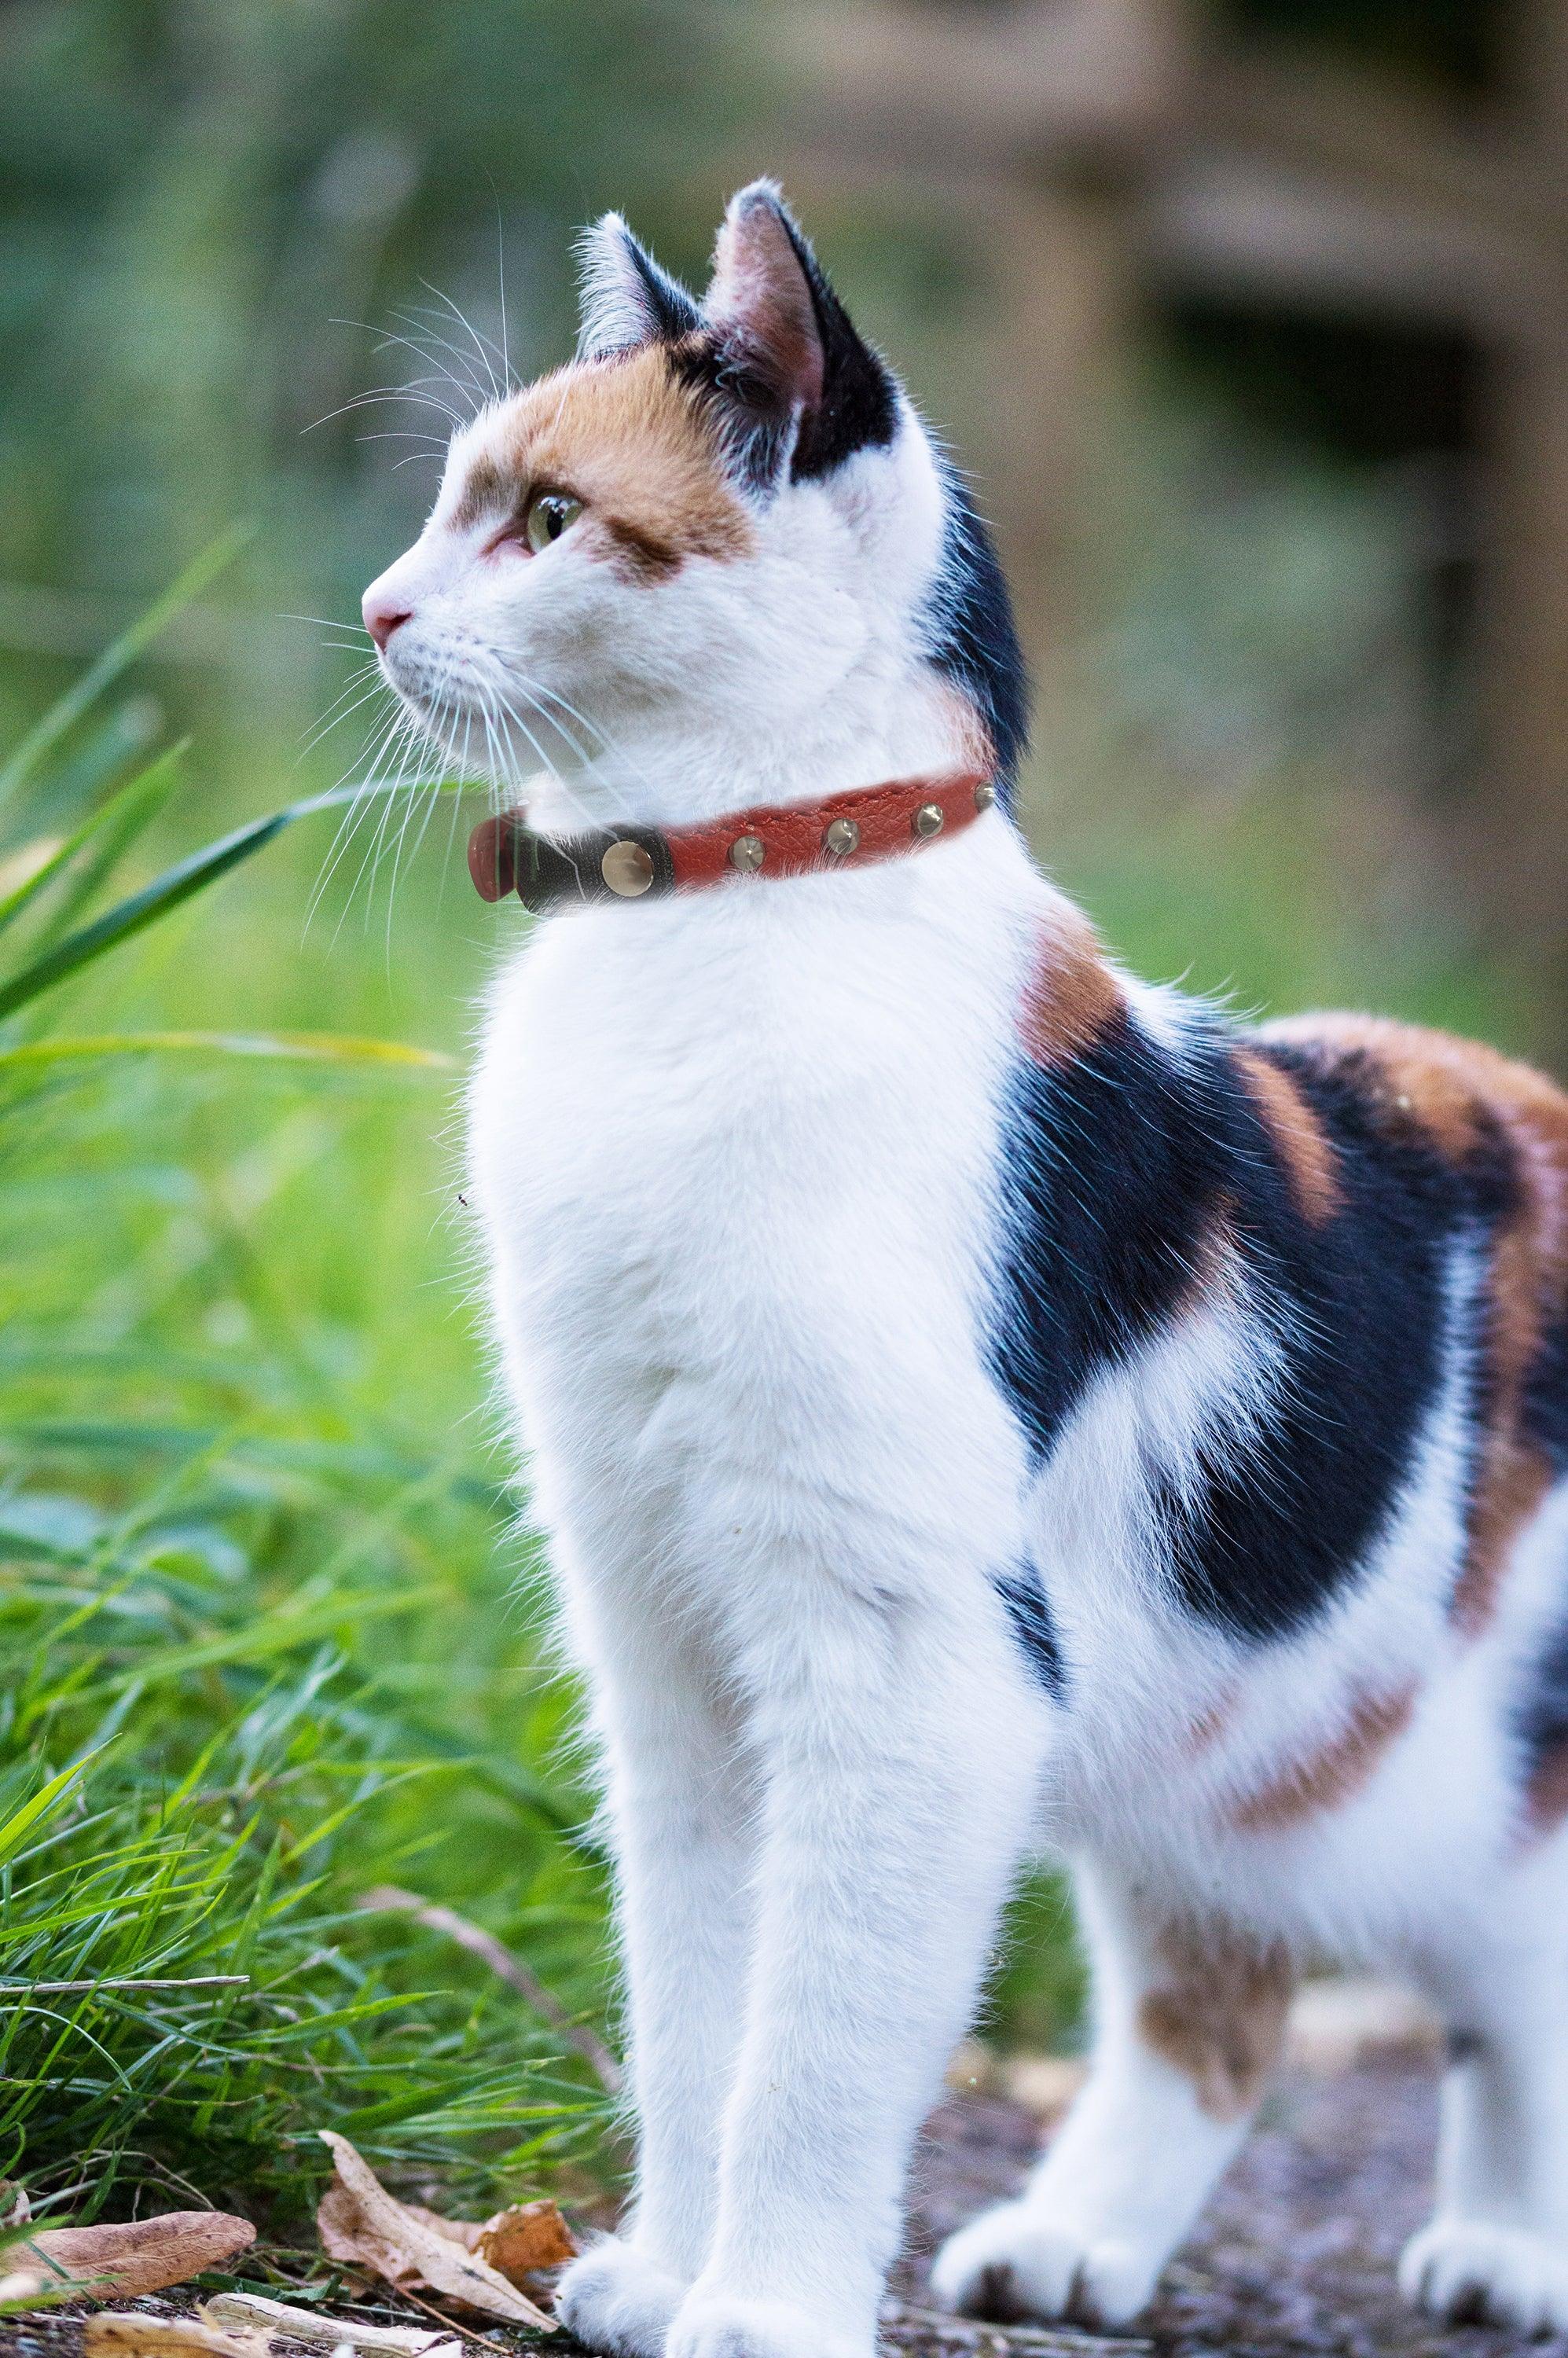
(1455, 1131)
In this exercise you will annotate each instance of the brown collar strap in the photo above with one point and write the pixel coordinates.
(850, 830)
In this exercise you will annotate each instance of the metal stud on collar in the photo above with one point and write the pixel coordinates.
(627, 868)
(984, 796)
(747, 853)
(928, 819)
(841, 838)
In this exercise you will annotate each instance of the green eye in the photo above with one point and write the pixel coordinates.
(549, 515)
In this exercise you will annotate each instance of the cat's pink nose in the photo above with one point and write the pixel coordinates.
(381, 617)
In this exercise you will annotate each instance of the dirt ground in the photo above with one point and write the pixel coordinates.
(1296, 2254)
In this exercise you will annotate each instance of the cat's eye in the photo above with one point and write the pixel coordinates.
(549, 515)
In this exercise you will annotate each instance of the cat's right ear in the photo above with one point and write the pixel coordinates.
(625, 299)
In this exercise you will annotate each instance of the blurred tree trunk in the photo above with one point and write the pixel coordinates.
(1520, 839)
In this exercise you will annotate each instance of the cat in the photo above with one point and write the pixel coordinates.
(974, 1399)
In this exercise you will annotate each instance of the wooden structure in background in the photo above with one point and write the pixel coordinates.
(1126, 153)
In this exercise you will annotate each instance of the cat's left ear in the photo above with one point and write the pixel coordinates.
(799, 383)
(626, 299)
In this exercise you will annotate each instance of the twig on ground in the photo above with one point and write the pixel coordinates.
(390, 1897)
(980, 2335)
(441, 2318)
(125, 1982)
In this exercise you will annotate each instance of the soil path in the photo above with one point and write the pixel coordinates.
(1295, 2254)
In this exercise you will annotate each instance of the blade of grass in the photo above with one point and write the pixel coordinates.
(21, 1820)
(67, 709)
(310, 1047)
(112, 827)
(165, 893)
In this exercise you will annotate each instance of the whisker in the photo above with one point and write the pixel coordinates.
(328, 622)
(501, 281)
(447, 345)
(389, 336)
(348, 823)
(388, 393)
(463, 319)
(330, 720)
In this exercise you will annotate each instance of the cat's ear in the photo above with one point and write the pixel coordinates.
(625, 299)
(761, 302)
(804, 383)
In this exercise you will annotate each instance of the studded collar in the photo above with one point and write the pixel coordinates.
(849, 831)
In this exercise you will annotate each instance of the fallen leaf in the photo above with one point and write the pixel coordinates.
(249, 2310)
(466, 2232)
(126, 2333)
(527, 2236)
(142, 2254)
(363, 2224)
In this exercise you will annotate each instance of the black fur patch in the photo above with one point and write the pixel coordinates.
(1033, 1625)
(754, 422)
(1540, 1718)
(971, 635)
(1119, 1169)
(859, 405)
(1111, 1184)
(668, 309)
(859, 409)
(1545, 1406)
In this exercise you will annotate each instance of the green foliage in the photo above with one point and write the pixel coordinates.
(259, 1646)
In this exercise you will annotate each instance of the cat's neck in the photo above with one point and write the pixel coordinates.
(670, 776)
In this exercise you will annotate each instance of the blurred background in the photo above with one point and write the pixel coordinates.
(1248, 318)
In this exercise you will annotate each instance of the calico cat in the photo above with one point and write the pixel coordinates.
(974, 1399)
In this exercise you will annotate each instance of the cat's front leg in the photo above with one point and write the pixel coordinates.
(901, 1758)
(678, 1801)
(1189, 2018)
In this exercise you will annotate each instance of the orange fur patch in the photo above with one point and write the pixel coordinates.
(1210, 1725)
(1070, 998)
(1335, 1773)
(1298, 1136)
(1218, 2014)
(1547, 1794)
(633, 444)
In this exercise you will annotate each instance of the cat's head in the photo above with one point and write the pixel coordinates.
(718, 547)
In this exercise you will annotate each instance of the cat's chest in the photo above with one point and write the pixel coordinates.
(766, 1165)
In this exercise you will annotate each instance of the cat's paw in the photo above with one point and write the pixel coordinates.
(1011, 2263)
(616, 2301)
(724, 2325)
(1468, 2272)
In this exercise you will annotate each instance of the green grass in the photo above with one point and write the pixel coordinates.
(268, 1633)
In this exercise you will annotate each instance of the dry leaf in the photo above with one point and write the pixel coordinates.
(115, 2333)
(361, 2224)
(248, 2310)
(466, 2232)
(529, 2236)
(142, 2254)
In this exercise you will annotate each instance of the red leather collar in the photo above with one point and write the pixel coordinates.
(848, 830)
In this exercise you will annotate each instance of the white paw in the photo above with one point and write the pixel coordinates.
(722, 2325)
(1011, 2264)
(1463, 2270)
(616, 2301)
